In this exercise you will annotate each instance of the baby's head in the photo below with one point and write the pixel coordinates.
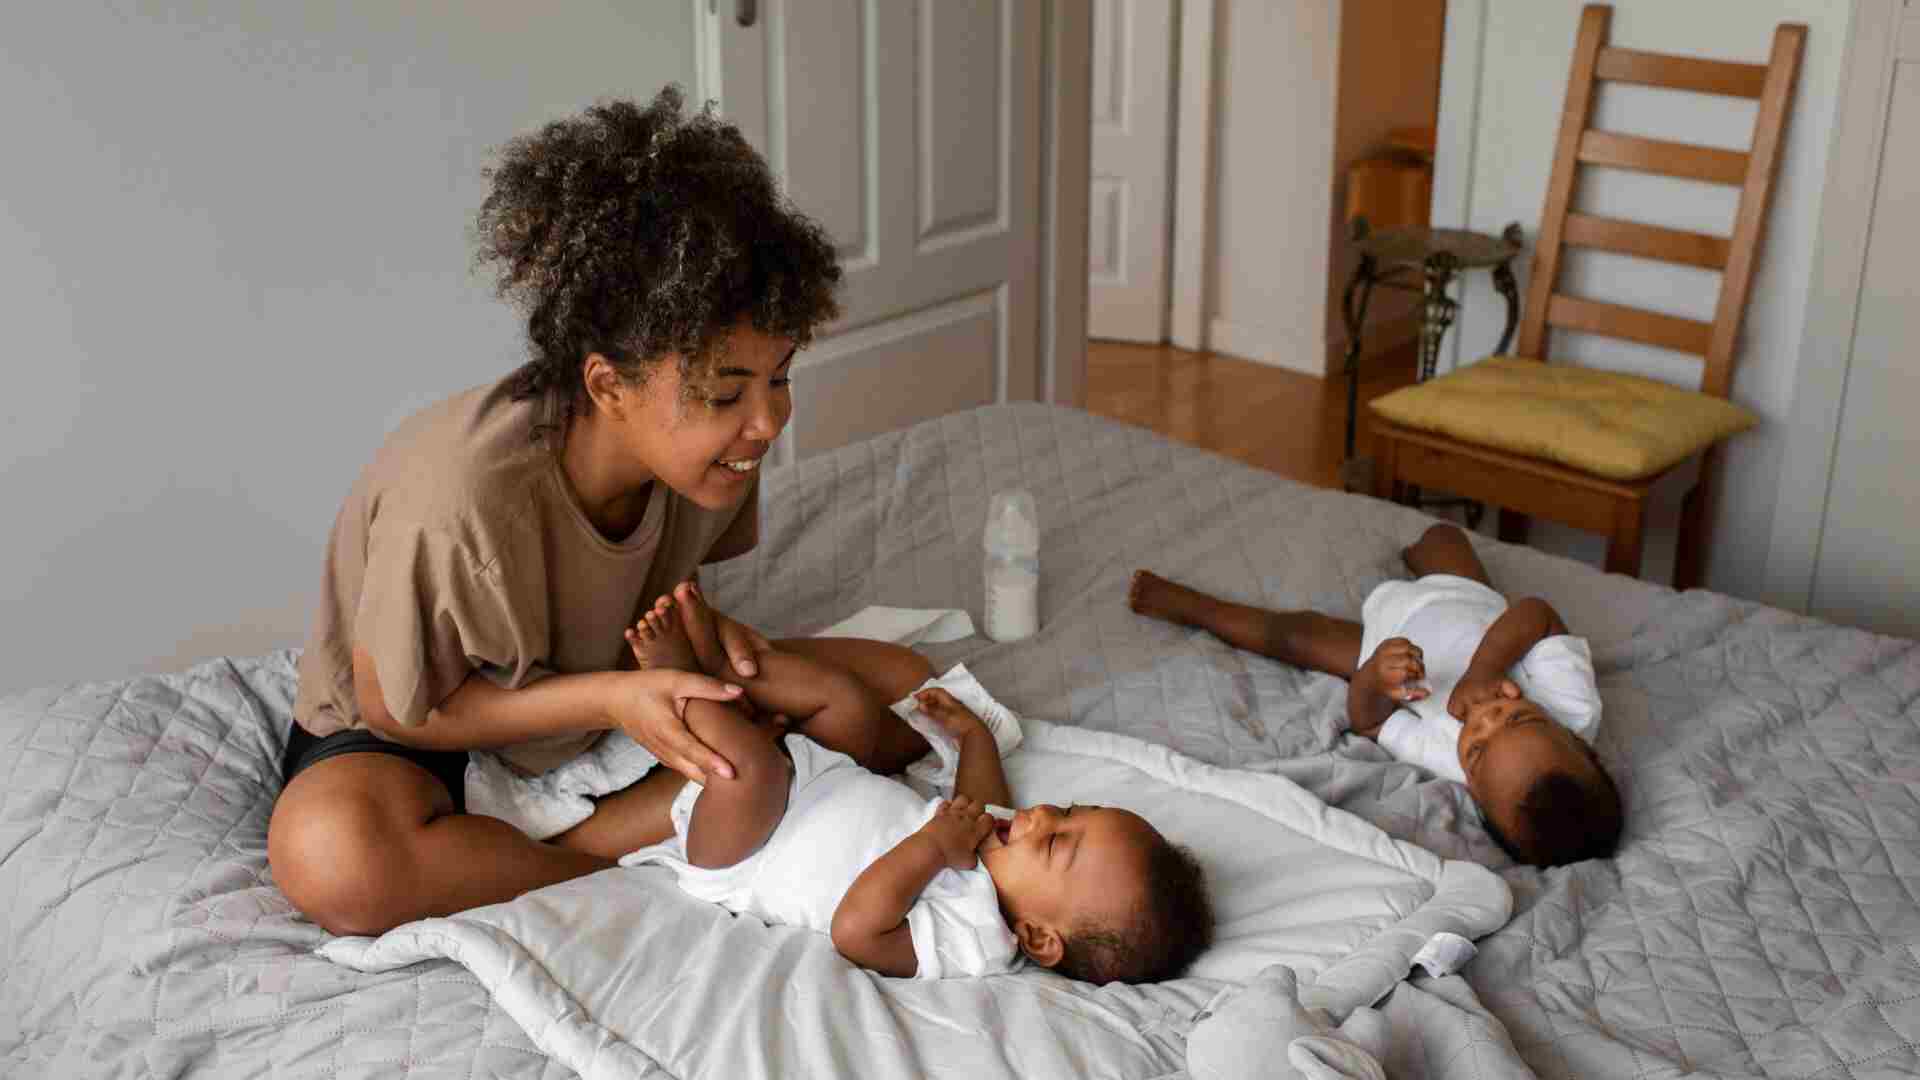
(1097, 894)
(1541, 791)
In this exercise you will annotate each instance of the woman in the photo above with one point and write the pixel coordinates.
(483, 569)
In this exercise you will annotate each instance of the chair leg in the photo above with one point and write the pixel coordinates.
(1623, 546)
(1696, 524)
(1384, 484)
(1514, 526)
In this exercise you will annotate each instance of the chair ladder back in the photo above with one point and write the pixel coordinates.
(1753, 171)
(1750, 220)
(1575, 116)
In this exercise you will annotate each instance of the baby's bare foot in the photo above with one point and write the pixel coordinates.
(659, 643)
(1151, 594)
(697, 619)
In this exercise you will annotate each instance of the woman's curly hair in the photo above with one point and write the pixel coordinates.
(638, 232)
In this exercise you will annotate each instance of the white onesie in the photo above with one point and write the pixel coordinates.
(841, 818)
(1446, 616)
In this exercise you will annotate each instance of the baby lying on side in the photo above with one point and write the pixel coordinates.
(908, 886)
(1445, 673)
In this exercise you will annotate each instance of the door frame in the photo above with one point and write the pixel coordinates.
(1833, 304)
(1066, 140)
(1189, 270)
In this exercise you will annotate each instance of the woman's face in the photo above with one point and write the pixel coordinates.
(704, 435)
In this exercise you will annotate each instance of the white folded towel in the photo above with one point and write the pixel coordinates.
(562, 797)
(904, 626)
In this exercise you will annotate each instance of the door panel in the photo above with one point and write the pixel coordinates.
(855, 386)
(1868, 569)
(1129, 215)
(911, 132)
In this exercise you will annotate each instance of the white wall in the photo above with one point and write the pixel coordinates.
(1276, 69)
(1502, 88)
(233, 252)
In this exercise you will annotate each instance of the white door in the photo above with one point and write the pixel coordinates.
(910, 130)
(1129, 216)
(1868, 568)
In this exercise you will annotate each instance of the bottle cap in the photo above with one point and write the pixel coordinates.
(1013, 521)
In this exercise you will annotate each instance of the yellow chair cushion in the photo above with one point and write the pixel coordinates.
(1602, 422)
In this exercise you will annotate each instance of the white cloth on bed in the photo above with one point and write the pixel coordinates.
(903, 626)
(620, 973)
(1446, 616)
(841, 818)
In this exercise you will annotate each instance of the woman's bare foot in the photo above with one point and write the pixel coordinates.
(1151, 594)
(660, 643)
(1390, 678)
(697, 619)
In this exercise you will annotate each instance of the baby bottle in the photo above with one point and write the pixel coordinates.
(1012, 544)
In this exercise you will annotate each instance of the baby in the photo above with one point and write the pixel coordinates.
(1445, 673)
(908, 886)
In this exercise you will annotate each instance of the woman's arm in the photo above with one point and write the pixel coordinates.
(648, 705)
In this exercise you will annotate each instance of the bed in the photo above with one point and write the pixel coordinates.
(1761, 918)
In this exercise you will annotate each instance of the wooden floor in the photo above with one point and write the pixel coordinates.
(1276, 419)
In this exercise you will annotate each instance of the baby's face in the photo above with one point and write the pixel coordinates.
(1052, 865)
(1509, 743)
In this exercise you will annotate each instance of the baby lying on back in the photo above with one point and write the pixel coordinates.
(908, 886)
(1445, 673)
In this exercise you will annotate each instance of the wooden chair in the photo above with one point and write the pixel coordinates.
(1527, 486)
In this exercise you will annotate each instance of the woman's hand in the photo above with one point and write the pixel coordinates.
(957, 829)
(651, 707)
(742, 644)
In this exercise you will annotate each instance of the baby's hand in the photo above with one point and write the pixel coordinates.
(1399, 665)
(1473, 690)
(957, 829)
(945, 709)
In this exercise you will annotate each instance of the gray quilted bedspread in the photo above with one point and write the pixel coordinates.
(1760, 920)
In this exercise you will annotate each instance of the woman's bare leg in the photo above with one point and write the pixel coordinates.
(364, 842)
(1305, 639)
(1444, 549)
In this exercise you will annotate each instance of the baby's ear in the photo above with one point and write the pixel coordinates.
(1041, 944)
(1510, 689)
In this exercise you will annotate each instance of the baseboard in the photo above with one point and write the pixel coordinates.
(1264, 345)
(1274, 348)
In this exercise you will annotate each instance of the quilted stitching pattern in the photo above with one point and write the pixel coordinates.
(1758, 922)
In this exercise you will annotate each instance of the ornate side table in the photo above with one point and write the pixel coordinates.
(1422, 260)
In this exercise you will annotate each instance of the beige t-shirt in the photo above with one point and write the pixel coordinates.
(463, 549)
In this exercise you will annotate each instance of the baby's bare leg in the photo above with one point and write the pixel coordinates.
(836, 709)
(1444, 549)
(1305, 639)
(734, 816)
(836, 691)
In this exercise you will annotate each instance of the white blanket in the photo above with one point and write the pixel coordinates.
(620, 972)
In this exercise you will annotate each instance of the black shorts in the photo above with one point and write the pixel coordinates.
(305, 750)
